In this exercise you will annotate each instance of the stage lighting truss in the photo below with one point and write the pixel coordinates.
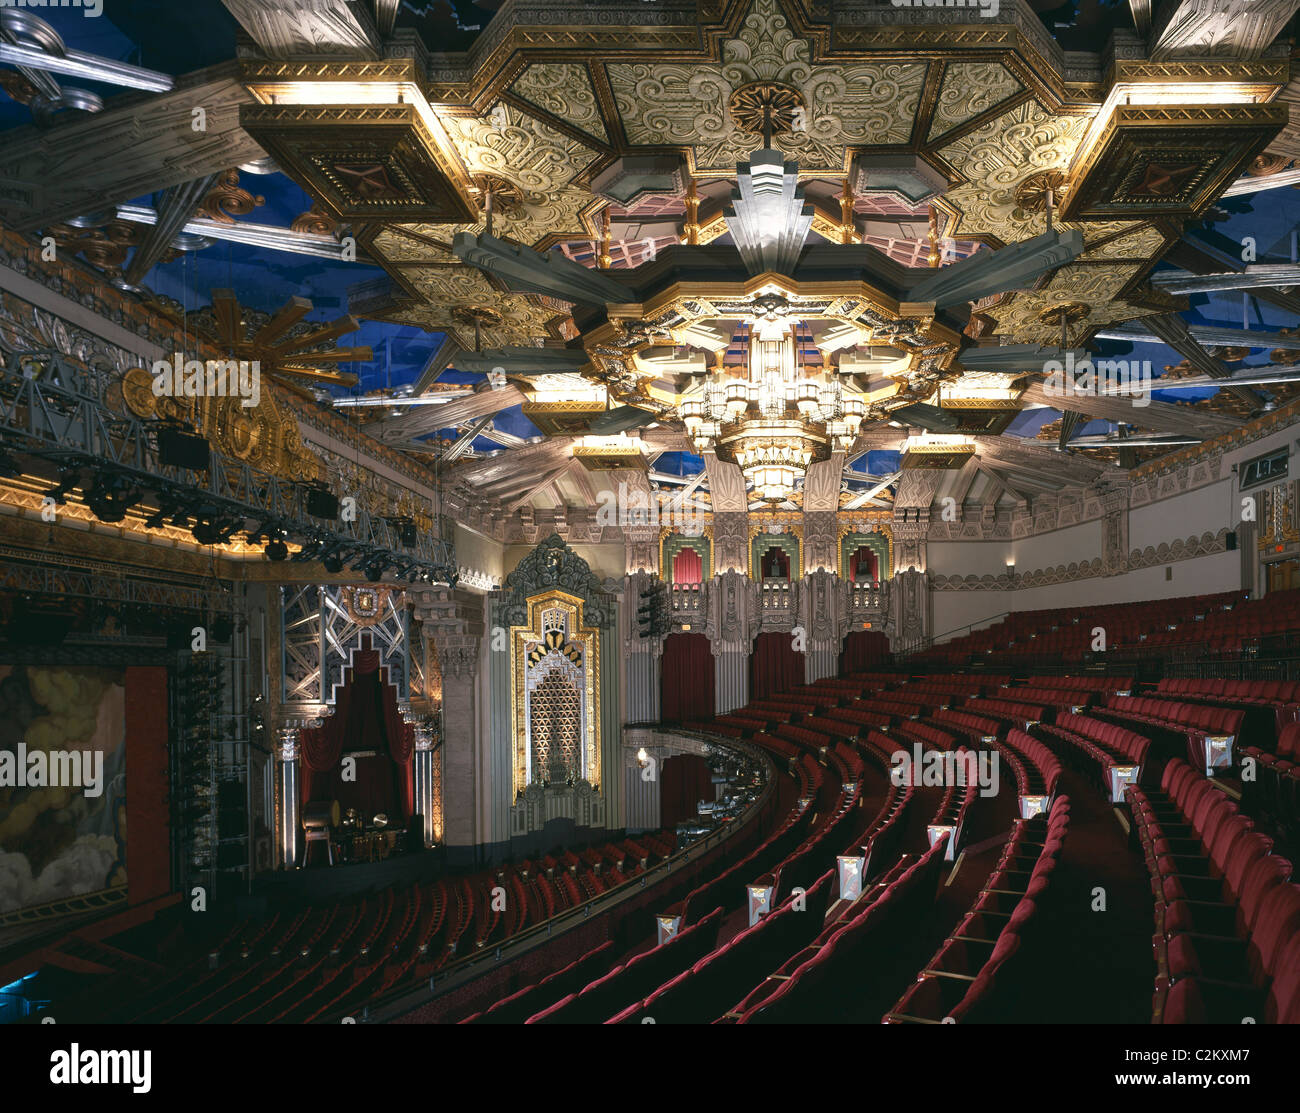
(52, 412)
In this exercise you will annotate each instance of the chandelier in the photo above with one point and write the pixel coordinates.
(772, 415)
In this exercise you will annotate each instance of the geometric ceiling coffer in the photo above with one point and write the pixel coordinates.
(632, 178)
(361, 162)
(1167, 160)
(909, 178)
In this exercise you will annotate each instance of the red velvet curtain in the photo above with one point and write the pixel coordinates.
(688, 568)
(365, 718)
(686, 679)
(684, 780)
(774, 665)
(865, 559)
(863, 650)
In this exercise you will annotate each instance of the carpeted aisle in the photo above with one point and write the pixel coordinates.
(1077, 965)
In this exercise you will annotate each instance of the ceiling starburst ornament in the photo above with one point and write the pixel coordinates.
(281, 345)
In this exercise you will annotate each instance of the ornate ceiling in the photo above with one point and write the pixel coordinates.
(611, 132)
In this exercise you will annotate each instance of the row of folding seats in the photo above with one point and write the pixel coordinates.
(974, 727)
(1041, 767)
(1238, 691)
(1101, 684)
(1009, 710)
(959, 981)
(926, 734)
(1211, 720)
(820, 980)
(1063, 699)
(705, 990)
(607, 995)
(860, 715)
(1107, 747)
(539, 996)
(1038, 633)
(1277, 779)
(1227, 939)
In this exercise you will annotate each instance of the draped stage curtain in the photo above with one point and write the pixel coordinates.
(774, 666)
(686, 679)
(365, 718)
(684, 780)
(688, 568)
(863, 650)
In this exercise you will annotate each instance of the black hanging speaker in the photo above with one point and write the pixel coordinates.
(178, 448)
(407, 534)
(322, 503)
(1230, 541)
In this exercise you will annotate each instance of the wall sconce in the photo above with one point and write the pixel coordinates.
(642, 758)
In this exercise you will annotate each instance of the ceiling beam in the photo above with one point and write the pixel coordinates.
(89, 165)
(869, 495)
(1172, 330)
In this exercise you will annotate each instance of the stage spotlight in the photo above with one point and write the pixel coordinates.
(111, 497)
(213, 530)
(375, 571)
(332, 563)
(69, 480)
(276, 549)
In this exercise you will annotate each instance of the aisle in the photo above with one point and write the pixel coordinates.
(1077, 965)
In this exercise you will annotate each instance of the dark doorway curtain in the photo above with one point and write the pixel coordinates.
(688, 568)
(774, 666)
(775, 565)
(686, 679)
(684, 780)
(862, 565)
(365, 720)
(863, 651)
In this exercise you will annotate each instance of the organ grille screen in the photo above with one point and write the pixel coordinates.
(556, 695)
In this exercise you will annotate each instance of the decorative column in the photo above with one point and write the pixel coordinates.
(1116, 554)
(731, 629)
(428, 803)
(465, 762)
(287, 789)
(461, 761)
(823, 610)
(642, 657)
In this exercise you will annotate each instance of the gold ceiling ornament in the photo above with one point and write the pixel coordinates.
(1071, 313)
(761, 106)
(314, 222)
(105, 246)
(1266, 165)
(264, 436)
(507, 198)
(281, 345)
(477, 316)
(1031, 193)
(228, 199)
